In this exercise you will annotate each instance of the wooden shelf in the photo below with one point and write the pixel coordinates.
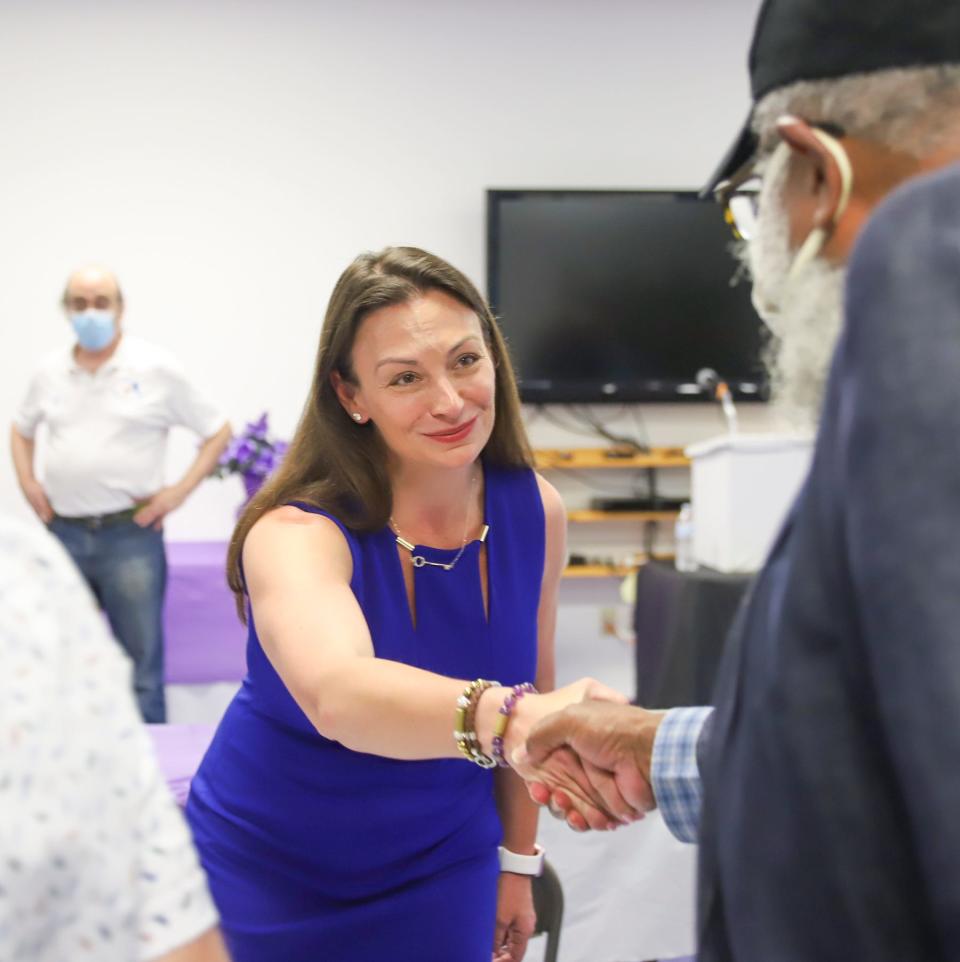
(581, 459)
(575, 458)
(586, 516)
(610, 571)
(597, 571)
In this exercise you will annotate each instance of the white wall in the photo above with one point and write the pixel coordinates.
(229, 159)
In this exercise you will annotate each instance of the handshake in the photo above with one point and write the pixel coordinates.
(585, 752)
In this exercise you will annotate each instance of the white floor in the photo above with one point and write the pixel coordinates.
(199, 704)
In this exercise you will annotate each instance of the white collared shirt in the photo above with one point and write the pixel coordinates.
(107, 430)
(96, 860)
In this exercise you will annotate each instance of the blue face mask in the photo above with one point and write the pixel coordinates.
(95, 328)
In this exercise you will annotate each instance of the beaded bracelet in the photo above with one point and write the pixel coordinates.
(463, 725)
(503, 719)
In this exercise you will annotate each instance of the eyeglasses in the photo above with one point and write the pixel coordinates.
(741, 204)
(740, 195)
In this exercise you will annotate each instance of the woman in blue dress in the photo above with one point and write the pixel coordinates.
(404, 549)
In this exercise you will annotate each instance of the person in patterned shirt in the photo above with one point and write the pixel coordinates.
(96, 861)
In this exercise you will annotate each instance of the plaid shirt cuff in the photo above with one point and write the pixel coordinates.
(674, 772)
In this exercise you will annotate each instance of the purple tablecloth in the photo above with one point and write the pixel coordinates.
(179, 750)
(205, 641)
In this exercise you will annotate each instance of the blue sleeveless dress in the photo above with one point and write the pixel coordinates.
(316, 853)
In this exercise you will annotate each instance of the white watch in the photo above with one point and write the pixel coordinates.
(521, 864)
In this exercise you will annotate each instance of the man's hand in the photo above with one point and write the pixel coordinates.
(34, 493)
(597, 807)
(614, 744)
(159, 506)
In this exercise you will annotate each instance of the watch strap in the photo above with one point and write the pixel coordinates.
(521, 864)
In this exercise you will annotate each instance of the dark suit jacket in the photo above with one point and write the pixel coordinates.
(831, 820)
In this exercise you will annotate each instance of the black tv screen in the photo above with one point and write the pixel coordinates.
(619, 295)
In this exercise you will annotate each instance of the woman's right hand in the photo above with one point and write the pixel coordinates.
(529, 710)
(592, 793)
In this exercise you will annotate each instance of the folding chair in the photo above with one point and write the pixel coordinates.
(548, 902)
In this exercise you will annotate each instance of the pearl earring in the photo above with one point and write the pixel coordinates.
(357, 416)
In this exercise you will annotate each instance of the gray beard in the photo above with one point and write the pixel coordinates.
(798, 359)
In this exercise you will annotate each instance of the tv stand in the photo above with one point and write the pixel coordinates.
(649, 511)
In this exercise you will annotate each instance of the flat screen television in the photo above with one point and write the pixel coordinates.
(620, 295)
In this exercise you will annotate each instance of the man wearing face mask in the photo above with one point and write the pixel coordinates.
(108, 404)
(824, 787)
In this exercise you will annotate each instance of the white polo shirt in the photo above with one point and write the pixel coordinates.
(107, 431)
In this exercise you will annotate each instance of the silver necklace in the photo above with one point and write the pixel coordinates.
(418, 559)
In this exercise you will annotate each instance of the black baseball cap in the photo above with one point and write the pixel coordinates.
(822, 39)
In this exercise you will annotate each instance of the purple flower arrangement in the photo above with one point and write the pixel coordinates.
(253, 454)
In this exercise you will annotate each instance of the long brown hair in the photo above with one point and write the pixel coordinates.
(340, 466)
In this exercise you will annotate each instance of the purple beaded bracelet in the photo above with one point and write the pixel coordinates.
(500, 729)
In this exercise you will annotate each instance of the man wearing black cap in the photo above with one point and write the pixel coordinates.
(830, 770)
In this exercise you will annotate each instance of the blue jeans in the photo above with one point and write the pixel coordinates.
(126, 568)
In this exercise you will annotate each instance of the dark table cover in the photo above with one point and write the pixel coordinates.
(681, 621)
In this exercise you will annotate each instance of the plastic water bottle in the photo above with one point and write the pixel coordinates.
(683, 540)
